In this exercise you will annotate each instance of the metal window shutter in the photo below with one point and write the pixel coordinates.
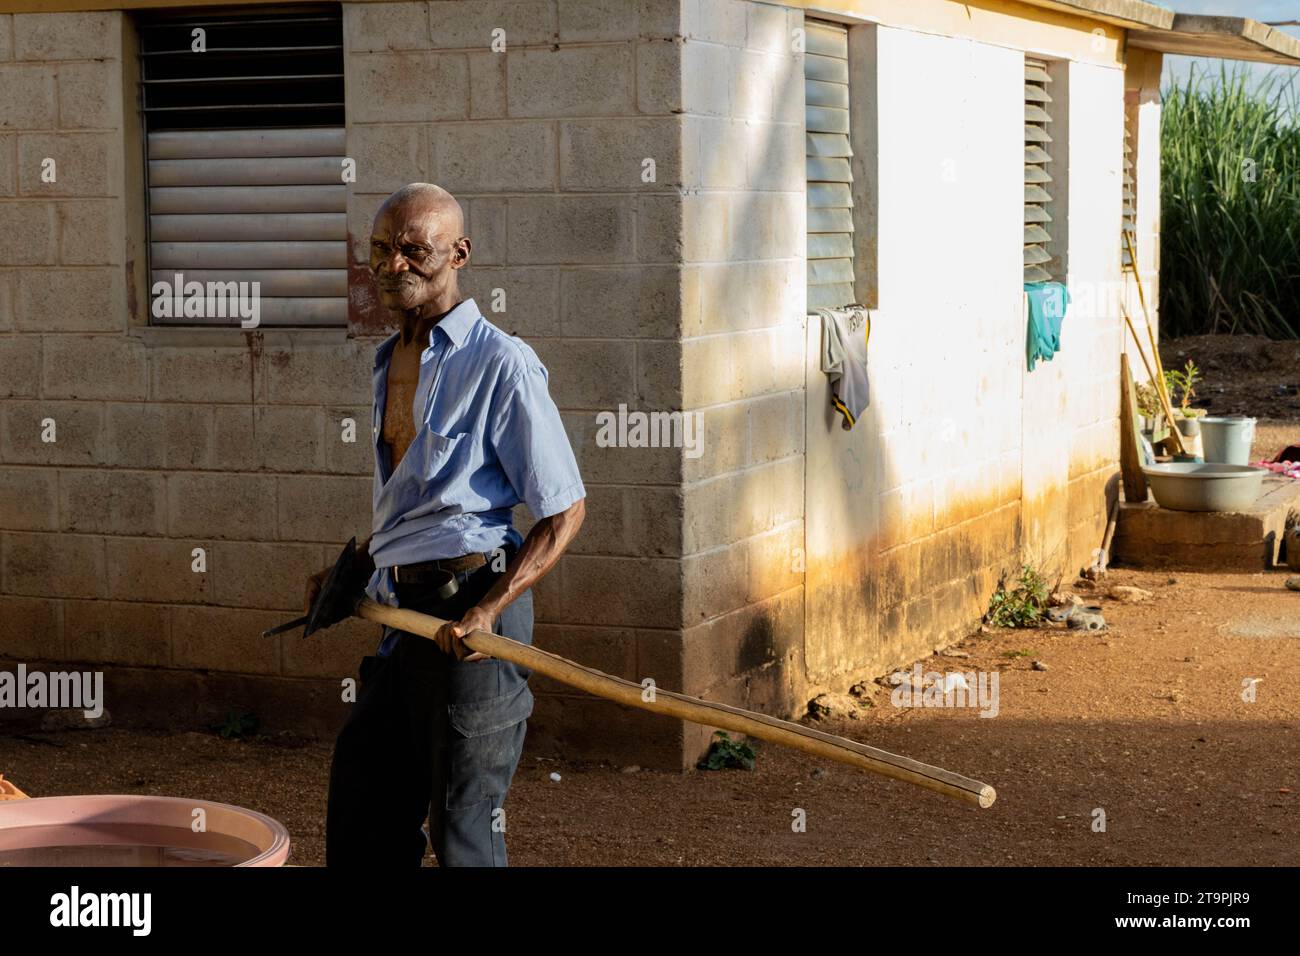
(244, 146)
(1038, 198)
(828, 173)
(1129, 220)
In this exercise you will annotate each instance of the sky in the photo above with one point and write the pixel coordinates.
(1177, 67)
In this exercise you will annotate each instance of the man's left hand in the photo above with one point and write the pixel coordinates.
(451, 636)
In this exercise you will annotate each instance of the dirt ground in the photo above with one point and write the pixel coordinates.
(1144, 721)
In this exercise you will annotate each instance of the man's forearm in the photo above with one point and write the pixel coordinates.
(545, 543)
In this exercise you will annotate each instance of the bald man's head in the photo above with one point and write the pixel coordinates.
(416, 246)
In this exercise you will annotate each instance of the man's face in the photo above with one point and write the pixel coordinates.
(414, 254)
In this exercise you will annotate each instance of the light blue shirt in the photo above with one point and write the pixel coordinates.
(487, 436)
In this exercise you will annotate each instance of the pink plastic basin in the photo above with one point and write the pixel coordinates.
(121, 830)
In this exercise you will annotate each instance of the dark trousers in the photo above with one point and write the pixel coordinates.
(430, 736)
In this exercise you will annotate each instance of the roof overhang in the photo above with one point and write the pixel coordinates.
(1231, 38)
(1122, 13)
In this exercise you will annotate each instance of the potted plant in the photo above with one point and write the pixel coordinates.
(1186, 418)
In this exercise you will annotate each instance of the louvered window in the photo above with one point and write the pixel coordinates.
(245, 147)
(1038, 198)
(830, 202)
(1130, 194)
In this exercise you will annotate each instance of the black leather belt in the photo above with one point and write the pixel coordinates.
(427, 571)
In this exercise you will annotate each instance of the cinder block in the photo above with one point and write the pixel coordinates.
(348, 457)
(90, 95)
(319, 508)
(339, 374)
(487, 85)
(271, 576)
(112, 632)
(631, 522)
(660, 374)
(638, 592)
(773, 494)
(594, 21)
(85, 164)
(775, 155)
(713, 583)
(76, 430)
(90, 232)
(158, 436)
(705, 84)
(610, 464)
(716, 152)
(292, 438)
(20, 357)
(766, 225)
(52, 565)
(495, 157)
(659, 228)
(31, 628)
(720, 657)
(207, 375)
(570, 229)
(110, 501)
(906, 513)
(67, 36)
(28, 499)
(572, 81)
(718, 21)
(416, 87)
(159, 570)
(215, 505)
(527, 298)
(659, 77)
(386, 26)
(109, 367)
(776, 426)
(28, 99)
(613, 155)
(486, 223)
(770, 562)
(725, 441)
(43, 297)
(755, 363)
(621, 302)
(589, 373)
(8, 178)
(767, 30)
(457, 25)
(609, 650)
(226, 639)
(336, 654)
(389, 156)
(706, 229)
(235, 439)
(27, 233)
(6, 36)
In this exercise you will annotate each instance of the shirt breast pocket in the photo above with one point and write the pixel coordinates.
(437, 452)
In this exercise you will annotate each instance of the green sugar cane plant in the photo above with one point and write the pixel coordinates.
(1230, 200)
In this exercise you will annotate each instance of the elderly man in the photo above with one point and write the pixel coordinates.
(464, 429)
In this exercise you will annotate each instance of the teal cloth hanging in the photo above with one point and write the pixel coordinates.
(1047, 304)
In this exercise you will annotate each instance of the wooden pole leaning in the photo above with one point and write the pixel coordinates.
(761, 726)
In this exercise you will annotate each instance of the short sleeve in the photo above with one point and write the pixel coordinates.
(532, 446)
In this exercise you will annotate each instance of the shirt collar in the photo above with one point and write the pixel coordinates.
(455, 325)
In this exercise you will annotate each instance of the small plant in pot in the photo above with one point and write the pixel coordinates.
(1152, 418)
(1183, 382)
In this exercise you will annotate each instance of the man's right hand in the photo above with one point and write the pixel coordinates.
(364, 567)
(314, 585)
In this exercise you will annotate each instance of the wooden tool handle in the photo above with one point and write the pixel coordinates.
(694, 709)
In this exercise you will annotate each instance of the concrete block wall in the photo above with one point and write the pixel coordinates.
(742, 355)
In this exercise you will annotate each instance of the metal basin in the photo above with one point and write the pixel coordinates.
(120, 830)
(1211, 486)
